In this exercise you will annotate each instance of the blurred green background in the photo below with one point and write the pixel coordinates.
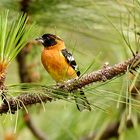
(96, 32)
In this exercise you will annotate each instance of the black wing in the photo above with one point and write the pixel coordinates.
(69, 58)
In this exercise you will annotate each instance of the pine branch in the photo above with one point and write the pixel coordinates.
(102, 75)
(37, 133)
(22, 101)
(106, 73)
(110, 131)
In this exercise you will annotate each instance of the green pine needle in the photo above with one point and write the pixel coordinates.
(13, 36)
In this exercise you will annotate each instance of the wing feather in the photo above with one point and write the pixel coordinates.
(70, 59)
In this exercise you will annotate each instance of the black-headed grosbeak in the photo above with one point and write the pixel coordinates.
(61, 65)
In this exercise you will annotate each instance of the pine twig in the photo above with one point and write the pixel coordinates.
(110, 131)
(37, 133)
(14, 104)
(106, 73)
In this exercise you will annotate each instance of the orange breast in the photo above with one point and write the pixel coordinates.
(56, 65)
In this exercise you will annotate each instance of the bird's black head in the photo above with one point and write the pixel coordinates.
(49, 40)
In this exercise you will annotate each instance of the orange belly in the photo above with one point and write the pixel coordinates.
(56, 65)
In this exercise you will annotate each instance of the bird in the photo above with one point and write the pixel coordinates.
(61, 65)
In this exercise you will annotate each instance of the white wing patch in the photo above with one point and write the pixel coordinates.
(70, 59)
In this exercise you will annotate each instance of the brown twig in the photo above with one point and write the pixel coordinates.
(22, 101)
(26, 73)
(24, 5)
(72, 85)
(2, 85)
(25, 70)
(110, 131)
(37, 133)
(106, 73)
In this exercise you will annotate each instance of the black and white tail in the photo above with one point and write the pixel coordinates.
(82, 102)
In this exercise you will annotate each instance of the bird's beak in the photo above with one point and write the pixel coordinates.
(40, 39)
